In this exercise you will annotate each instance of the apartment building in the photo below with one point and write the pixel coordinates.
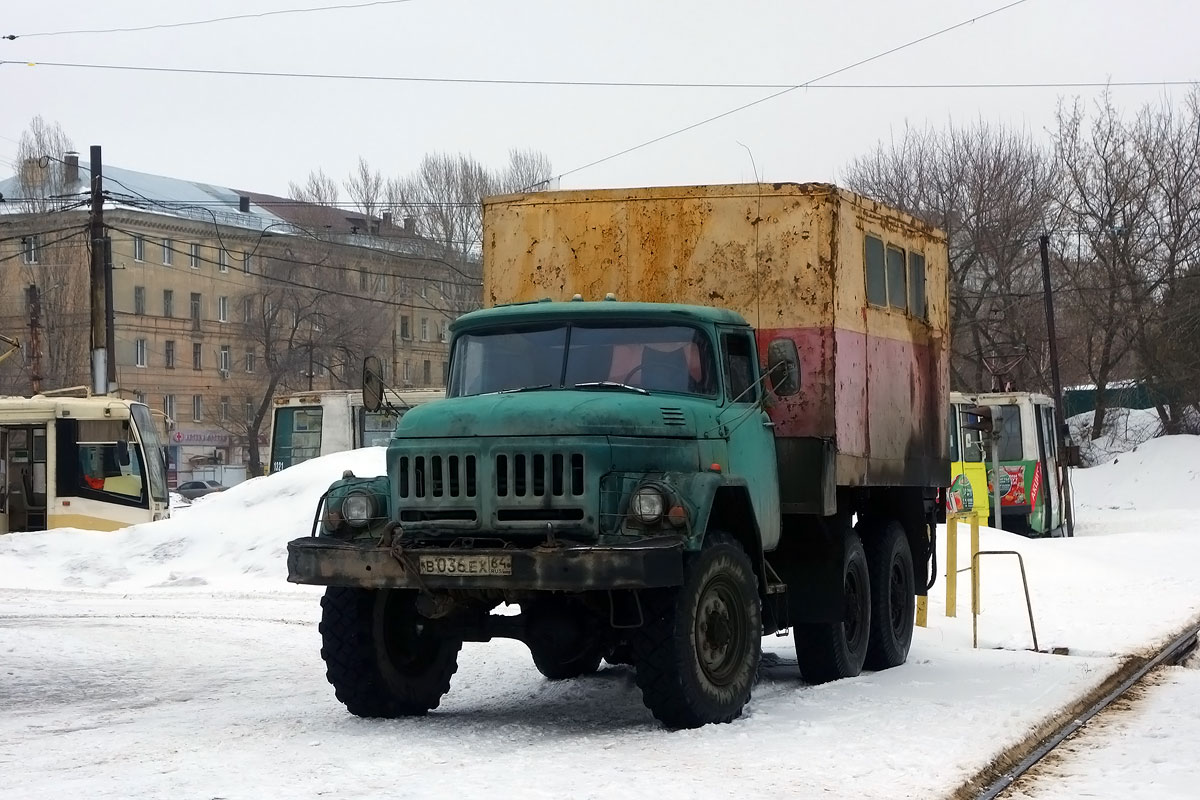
(222, 298)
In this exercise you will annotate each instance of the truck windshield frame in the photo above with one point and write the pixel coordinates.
(655, 357)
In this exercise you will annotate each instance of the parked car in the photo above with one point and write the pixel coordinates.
(193, 489)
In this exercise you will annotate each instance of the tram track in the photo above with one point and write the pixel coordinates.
(1009, 767)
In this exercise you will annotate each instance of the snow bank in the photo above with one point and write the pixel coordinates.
(1153, 487)
(236, 539)
(1124, 429)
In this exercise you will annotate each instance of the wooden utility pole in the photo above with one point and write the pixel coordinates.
(99, 315)
(1060, 421)
(35, 337)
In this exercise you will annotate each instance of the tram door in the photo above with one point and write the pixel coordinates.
(1051, 507)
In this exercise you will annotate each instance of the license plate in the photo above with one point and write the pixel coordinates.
(464, 565)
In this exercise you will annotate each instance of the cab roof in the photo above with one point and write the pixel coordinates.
(575, 310)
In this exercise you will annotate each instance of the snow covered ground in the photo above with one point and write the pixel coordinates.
(173, 659)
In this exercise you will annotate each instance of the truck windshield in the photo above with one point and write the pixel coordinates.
(656, 358)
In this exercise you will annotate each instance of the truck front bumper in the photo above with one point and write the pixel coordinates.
(645, 564)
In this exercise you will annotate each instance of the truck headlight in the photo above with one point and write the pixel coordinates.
(647, 504)
(358, 508)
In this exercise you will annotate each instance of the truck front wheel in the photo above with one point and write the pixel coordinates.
(829, 651)
(697, 652)
(382, 657)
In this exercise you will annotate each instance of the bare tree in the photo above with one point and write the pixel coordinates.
(366, 188)
(1106, 193)
(988, 188)
(305, 321)
(318, 189)
(50, 252)
(40, 171)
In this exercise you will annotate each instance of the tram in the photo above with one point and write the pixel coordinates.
(1031, 467)
(79, 462)
(310, 424)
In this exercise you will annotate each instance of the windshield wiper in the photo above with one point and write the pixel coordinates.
(525, 389)
(611, 385)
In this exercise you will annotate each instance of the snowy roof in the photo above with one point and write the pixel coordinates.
(160, 194)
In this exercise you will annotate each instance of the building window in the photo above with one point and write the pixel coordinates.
(250, 359)
(407, 372)
(445, 372)
(423, 289)
(246, 262)
(224, 409)
(424, 329)
(405, 333)
(139, 397)
(876, 272)
(223, 260)
(248, 309)
(168, 302)
(226, 358)
(197, 408)
(139, 300)
(169, 406)
(194, 256)
(916, 286)
(139, 248)
(197, 355)
(195, 311)
(31, 247)
(169, 353)
(168, 250)
(222, 309)
(426, 373)
(897, 283)
(249, 409)
(139, 352)
(442, 331)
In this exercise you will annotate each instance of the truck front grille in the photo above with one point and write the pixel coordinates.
(436, 476)
(539, 475)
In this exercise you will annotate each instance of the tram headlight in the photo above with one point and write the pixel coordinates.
(358, 508)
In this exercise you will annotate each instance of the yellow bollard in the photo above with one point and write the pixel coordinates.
(974, 563)
(951, 565)
(922, 611)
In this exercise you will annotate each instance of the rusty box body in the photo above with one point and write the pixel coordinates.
(800, 261)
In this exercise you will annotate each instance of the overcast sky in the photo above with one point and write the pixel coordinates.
(257, 133)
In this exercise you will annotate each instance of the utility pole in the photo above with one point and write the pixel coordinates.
(110, 335)
(99, 315)
(35, 339)
(1060, 421)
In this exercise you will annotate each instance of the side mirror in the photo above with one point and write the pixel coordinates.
(783, 367)
(123, 453)
(372, 384)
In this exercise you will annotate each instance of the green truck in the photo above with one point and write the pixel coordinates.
(754, 443)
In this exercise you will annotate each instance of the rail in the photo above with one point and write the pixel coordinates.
(1173, 653)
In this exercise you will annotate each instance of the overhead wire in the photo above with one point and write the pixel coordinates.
(615, 84)
(210, 21)
(782, 92)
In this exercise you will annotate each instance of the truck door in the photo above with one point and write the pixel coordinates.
(751, 436)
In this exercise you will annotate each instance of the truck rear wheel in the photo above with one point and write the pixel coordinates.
(830, 651)
(893, 599)
(382, 657)
(696, 654)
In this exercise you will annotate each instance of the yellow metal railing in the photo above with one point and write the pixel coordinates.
(952, 570)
